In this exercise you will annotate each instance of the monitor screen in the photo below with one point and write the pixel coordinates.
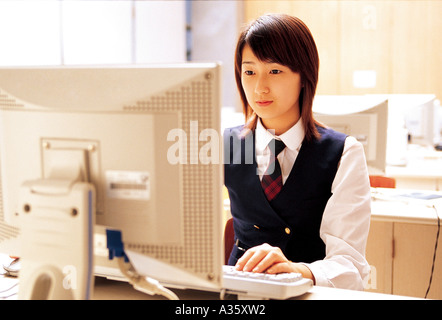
(421, 118)
(363, 117)
(146, 137)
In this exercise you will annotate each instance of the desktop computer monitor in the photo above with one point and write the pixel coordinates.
(146, 137)
(363, 117)
(420, 115)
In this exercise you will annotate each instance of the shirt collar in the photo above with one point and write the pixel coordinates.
(292, 138)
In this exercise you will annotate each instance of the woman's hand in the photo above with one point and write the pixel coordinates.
(268, 259)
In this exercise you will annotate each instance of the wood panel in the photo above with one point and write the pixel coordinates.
(414, 249)
(322, 18)
(365, 45)
(417, 47)
(399, 40)
(379, 254)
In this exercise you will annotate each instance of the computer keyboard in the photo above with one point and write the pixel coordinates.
(250, 285)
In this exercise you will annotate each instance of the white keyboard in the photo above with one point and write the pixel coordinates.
(250, 285)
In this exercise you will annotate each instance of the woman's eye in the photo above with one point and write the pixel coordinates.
(275, 71)
(248, 72)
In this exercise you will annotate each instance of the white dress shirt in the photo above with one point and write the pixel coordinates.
(346, 219)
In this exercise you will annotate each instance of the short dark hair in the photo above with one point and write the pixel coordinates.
(285, 40)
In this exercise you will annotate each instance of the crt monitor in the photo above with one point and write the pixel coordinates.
(148, 141)
(421, 118)
(364, 117)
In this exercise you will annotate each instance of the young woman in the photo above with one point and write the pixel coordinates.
(310, 212)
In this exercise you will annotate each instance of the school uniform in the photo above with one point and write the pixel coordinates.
(321, 215)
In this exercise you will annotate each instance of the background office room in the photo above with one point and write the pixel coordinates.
(137, 76)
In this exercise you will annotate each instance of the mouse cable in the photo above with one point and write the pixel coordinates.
(435, 250)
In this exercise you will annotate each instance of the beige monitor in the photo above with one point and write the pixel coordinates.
(364, 117)
(145, 137)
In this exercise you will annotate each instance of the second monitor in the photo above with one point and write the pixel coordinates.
(363, 117)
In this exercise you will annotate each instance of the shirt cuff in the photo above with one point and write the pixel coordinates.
(320, 276)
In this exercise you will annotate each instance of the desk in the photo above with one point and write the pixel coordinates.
(106, 289)
(401, 244)
(400, 248)
(422, 171)
(388, 205)
(116, 290)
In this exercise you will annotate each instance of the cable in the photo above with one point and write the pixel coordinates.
(144, 284)
(13, 269)
(5, 296)
(435, 250)
(140, 283)
(7, 292)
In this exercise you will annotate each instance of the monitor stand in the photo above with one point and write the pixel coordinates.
(57, 217)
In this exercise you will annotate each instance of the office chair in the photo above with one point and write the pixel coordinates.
(382, 182)
(229, 236)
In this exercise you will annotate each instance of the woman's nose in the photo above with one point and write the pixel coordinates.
(262, 86)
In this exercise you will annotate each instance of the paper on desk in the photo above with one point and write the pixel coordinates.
(420, 195)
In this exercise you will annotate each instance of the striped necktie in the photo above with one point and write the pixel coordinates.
(272, 179)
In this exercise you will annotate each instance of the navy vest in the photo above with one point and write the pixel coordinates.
(293, 220)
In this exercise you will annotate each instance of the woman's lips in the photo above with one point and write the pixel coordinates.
(264, 103)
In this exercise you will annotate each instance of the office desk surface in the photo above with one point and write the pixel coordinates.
(116, 290)
(423, 162)
(389, 205)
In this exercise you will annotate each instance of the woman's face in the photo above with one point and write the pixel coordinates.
(272, 91)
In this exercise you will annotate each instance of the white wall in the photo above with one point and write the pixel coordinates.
(215, 30)
(29, 33)
(37, 32)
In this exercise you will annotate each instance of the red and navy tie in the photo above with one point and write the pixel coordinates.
(272, 179)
